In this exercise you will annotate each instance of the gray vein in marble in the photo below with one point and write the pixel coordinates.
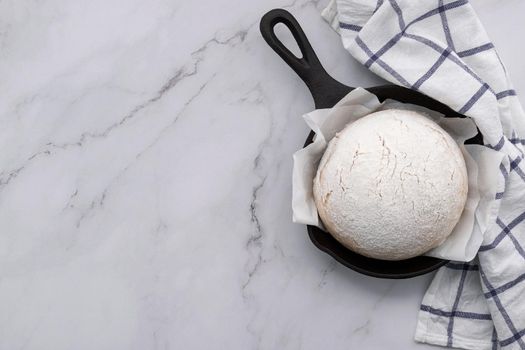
(96, 203)
(383, 295)
(6, 177)
(363, 328)
(253, 95)
(254, 242)
(332, 265)
(25, 102)
(177, 117)
(180, 75)
(255, 239)
(69, 203)
(4, 33)
(99, 202)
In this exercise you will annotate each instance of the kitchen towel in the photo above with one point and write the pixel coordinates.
(440, 48)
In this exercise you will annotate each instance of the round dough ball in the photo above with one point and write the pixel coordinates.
(391, 185)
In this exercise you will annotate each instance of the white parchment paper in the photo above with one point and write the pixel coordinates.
(482, 167)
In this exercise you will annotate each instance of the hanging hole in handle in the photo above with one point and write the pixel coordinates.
(286, 37)
(308, 62)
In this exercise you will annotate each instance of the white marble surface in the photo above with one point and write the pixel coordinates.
(145, 182)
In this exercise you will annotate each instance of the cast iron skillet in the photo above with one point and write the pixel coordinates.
(326, 92)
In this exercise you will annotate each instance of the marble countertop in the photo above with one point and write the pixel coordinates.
(145, 181)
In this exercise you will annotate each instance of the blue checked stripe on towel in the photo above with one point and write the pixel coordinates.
(441, 49)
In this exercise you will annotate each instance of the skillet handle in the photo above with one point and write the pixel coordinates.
(321, 85)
